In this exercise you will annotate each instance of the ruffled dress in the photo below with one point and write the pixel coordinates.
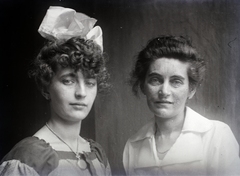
(33, 156)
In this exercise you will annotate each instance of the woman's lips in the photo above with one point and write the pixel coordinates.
(78, 106)
(164, 102)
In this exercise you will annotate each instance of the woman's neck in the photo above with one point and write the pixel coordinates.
(68, 131)
(165, 127)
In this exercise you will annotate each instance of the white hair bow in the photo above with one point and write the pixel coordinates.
(64, 23)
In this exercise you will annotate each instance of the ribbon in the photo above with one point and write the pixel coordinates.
(65, 23)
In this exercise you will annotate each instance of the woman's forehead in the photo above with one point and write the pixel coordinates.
(168, 66)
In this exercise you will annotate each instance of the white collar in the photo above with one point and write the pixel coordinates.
(193, 122)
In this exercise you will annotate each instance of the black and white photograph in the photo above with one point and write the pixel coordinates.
(120, 87)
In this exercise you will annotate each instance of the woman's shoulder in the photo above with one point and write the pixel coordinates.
(33, 152)
(222, 128)
(195, 122)
(30, 147)
(98, 150)
(146, 131)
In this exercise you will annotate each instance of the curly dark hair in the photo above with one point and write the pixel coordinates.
(179, 48)
(76, 53)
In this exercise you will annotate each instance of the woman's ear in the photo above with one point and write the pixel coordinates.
(192, 92)
(46, 94)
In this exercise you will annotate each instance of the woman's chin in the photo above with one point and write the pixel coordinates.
(76, 118)
(163, 113)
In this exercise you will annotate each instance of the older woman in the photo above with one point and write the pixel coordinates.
(69, 70)
(177, 140)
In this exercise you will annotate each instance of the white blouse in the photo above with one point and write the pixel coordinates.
(204, 147)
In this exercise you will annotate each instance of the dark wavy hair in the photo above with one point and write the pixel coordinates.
(76, 53)
(175, 47)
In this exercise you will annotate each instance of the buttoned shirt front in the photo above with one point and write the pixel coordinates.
(204, 147)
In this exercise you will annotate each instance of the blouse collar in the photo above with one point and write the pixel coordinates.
(193, 122)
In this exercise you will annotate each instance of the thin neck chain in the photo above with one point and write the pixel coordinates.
(76, 153)
(161, 153)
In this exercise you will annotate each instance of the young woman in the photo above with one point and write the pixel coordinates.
(178, 140)
(69, 70)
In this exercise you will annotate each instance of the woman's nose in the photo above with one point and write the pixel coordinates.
(164, 89)
(80, 90)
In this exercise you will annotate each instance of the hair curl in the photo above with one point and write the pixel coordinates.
(76, 53)
(179, 48)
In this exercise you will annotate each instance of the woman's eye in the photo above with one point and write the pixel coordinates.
(176, 83)
(90, 83)
(67, 81)
(154, 81)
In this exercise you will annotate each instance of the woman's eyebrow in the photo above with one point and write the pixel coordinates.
(178, 76)
(154, 74)
(71, 74)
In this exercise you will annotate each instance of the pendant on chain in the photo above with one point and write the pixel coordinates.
(80, 162)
